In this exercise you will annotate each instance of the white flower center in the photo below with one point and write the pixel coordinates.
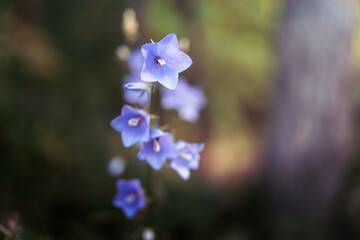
(156, 146)
(186, 156)
(161, 62)
(134, 121)
(130, 198)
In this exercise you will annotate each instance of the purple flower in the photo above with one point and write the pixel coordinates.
(163, 61)
(133, 125)
(130, 196)
(135, 96)
(186, 99)
(160, 147)
(188, 158)
(135, 61)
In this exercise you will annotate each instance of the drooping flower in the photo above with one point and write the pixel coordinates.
(130, 197)
(186, 99)
(188, 158)
(163, 61)
(133, 125)
(160, 147)
(133, 95)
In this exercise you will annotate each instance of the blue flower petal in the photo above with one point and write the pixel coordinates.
(117, 202)
(156, 133)
(150, 73)
(178, 60)
(135, 183)
(180, 144)
(168, 43)
(132, 135)
(168, 145)
(137, 97)
(149, 49)
(118, 123)
(156, 162)
(181, 170)
(127, 109)
(194, 165)
(130, 212)
(129, 138)
(120, 183)
(168, 77)
(199, 146)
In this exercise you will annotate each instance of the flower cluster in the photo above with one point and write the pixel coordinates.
(156, 63)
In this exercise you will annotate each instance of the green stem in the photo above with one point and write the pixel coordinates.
(149, 171)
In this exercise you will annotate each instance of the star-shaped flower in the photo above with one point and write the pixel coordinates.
(133, 125)
(160, 147)
(163, 61)
(130, 197)
(186, 99)
(188, 158)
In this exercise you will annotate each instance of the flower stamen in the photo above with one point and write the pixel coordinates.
(156, 146)
(159, 61)
(134, 121)
(186, 156)
(130, 198)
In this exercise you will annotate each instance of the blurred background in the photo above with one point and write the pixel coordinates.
(61, 85)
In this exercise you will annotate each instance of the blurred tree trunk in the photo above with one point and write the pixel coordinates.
(311, 121)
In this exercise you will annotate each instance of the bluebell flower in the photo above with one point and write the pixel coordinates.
(186, 99)
(163, 61)
(188, 158)
(130, 197)
(135, 96)
(160, 147)
(135, 61)
(133, 125)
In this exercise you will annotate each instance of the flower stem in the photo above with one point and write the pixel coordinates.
(152, 104)
(149, 171)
